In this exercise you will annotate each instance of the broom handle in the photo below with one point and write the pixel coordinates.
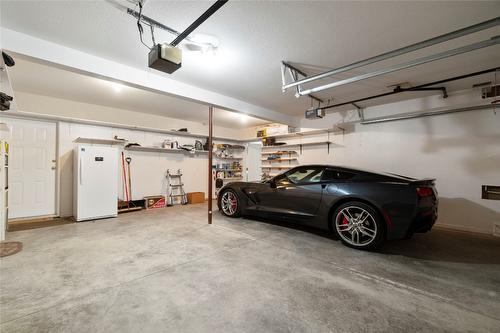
(129, 181)
(124, 177)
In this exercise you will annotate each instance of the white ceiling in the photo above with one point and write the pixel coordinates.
(255, 36)
(36, 78)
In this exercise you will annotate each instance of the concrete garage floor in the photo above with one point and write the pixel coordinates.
(168, 271)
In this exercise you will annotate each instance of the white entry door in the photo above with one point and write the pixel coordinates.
(32, 168)
(253, 162)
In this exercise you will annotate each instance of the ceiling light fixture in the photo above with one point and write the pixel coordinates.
(116, 87)
(201, 43)
(244, 118)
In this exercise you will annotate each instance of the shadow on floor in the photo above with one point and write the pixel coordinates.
(448, 245)
(443, 245)
(294, 226)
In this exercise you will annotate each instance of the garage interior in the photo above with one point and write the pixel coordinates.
(180, 100)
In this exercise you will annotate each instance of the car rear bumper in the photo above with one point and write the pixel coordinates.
(422, 221)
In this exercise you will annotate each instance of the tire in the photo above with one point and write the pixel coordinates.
(358, 225)
(231, 208)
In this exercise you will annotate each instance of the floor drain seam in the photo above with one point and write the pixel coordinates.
(374, 277)
(389, 282)
(184, 263)
(236, 232)
(371, 277)
(401, 286)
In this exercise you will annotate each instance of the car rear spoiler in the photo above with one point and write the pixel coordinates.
(424, 181)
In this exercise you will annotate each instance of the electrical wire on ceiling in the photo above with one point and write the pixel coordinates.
(152, 34)
(197, 42)
(328, 101)
(141, 29)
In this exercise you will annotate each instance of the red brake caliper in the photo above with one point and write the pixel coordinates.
(344, 221)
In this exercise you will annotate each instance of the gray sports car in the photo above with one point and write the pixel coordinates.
(362, 208)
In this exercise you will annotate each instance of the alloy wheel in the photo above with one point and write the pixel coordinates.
(356, 226)
(229, 203)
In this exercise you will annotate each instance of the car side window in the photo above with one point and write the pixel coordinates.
(336, 175)
(305, 175)
(282, 180)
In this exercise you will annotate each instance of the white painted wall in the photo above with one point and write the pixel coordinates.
(461, 150)
(40, 104)
(148, 169)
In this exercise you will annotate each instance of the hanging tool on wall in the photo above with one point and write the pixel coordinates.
(125, 190)
(129, 205)
(129, 160)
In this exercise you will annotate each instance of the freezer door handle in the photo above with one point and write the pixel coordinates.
(81, 171)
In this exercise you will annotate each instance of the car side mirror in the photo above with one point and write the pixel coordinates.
(272, 183)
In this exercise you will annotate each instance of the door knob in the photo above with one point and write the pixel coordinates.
(53, 168)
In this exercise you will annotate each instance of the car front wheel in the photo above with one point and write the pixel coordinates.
(229, 204)
(358, 225)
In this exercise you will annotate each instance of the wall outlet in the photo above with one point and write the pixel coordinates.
(496, 229)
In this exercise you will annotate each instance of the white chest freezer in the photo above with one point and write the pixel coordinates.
(95, 189)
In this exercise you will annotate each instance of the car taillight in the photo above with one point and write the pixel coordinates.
(424, 191)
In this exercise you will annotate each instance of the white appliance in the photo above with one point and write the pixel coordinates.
(95, 182)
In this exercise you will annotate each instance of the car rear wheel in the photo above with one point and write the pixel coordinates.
(358, 225)
(229, 204)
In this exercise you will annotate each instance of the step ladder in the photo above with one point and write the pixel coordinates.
(175, 189)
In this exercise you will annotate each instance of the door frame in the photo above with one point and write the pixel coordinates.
(57, 178)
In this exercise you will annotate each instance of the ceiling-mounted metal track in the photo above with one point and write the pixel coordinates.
(446, 54)
(425, 114)
(410, 48)
(294, 73)
(416, 88)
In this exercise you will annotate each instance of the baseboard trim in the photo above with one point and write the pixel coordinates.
(33, 219)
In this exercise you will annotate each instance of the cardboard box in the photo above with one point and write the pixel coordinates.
(155, 201)
(196, 197)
